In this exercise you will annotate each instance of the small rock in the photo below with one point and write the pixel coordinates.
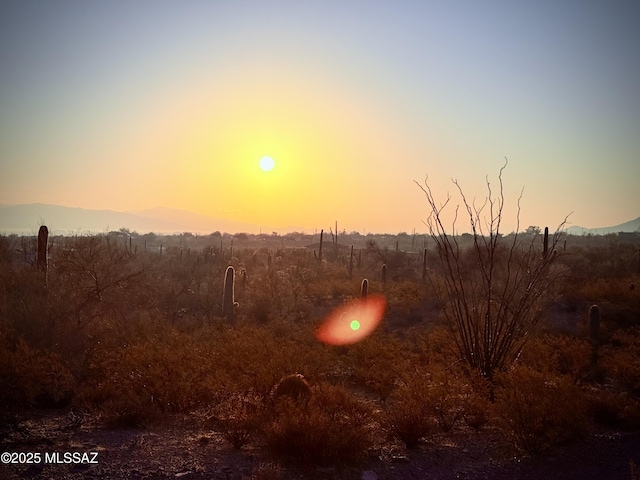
(369, 475)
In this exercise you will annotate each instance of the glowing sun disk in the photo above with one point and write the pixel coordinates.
(267, 163)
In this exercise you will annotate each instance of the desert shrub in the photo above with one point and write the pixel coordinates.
(446, 397)
(406, 297)
(168, 372)
(31, 376)
(331, 426)
(408, 415)
(24, 304)
(621, 358)
(613, 409)
(428, 400)
(379, 362)
(477, 411)
(437, 347)
(239, 415)
(279, 292)
(96, 277)
(558, 354)
(539, 410)
(257, 357)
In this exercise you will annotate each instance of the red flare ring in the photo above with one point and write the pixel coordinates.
(337, 328)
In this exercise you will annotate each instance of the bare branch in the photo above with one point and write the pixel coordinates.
(491, 293)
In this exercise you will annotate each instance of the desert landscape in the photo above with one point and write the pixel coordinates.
(165, 356)
(324, 240)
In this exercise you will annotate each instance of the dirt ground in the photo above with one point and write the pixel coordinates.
(186, 448)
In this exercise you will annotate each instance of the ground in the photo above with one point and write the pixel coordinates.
(188, 448)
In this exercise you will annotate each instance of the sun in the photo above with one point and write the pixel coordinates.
(267, 163)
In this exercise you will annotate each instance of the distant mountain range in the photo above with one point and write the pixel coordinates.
(26, 219)
(632, 226)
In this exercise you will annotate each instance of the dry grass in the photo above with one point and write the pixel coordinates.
(145, 341)
(540, 411)
(331, 425)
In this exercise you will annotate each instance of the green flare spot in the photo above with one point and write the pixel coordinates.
(355, 325)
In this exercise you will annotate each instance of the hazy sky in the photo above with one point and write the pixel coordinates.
(129, 105)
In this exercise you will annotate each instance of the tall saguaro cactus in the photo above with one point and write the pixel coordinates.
(351, 263)
(364, 289)
(383, 275)
(319, 255)
(545, 244)
(41, 260)
(424, 265)
(43, 238)
(228, 300)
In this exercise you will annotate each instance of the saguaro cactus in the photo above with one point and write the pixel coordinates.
(351, 263)
(228, 300)
(424, 265)
(364, 288)
(545, 244)
(319, 255)
(43, 238)
(383, 275)
(594, 324)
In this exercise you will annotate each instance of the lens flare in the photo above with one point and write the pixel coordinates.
(353, 322)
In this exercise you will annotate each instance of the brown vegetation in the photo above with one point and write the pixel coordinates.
(132, 339)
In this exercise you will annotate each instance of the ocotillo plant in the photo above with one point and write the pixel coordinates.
(228, 300)
(364, 288)
(594, 324)
(383, 275)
